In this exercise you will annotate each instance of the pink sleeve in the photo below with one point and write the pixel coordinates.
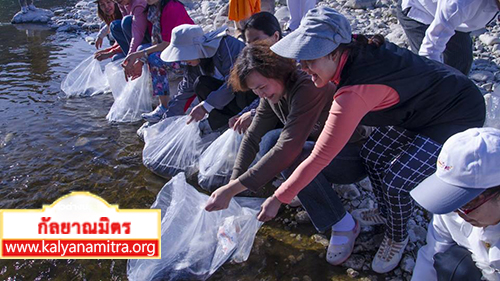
(351, 104)
(139, 24)
(173, 14)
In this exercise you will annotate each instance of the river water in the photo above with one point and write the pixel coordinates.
(51, 145)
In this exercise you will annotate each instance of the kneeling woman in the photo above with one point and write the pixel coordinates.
(289, 97)
(414, 103)
(209, 58)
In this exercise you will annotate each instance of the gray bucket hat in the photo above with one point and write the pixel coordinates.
(320, 32)
(188, 42)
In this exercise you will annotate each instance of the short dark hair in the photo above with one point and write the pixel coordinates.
(259, 57)
(265, 22)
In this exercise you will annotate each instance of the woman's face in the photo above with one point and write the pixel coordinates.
(192, 62)
(152, 2)
(321, 69)
(252, 35)
(267, 88)
(107, 6)
(485, 215)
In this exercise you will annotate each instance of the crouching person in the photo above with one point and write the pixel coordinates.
(288, 96)
(209, 58)
(463, 239)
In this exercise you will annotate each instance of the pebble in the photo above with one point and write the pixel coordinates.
(408, 263)
(489, 39)
(352, 273)
(7, 139)
(321, 239)
(481, 76)
(81, 141)
(302, 217)
(417, 233)
(306, 278)
(347, 191)
(355, 262)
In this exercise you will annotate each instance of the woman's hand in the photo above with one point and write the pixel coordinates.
(132, 58)
(243, 122)
(220, 199)
(133, 71)
(269, 209)
(232, 121)
(197, 113)
(101, 55)
(98, 43)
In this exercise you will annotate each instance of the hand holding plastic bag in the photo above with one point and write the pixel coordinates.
(217, 161)
(86, 79)
(195, 243)
(131, 98)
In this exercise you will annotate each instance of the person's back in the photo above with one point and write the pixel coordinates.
(434, 99)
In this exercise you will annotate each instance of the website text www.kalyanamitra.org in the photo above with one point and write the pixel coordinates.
(68, 248)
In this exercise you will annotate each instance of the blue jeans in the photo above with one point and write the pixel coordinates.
(318, 198)
(122, 32)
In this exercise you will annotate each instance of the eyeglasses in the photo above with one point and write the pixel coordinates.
(467, 210)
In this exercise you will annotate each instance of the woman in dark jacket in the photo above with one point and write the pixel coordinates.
(209, 58)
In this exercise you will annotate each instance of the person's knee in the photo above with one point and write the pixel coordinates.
(456, 264)
(126, 22)
(115, 26)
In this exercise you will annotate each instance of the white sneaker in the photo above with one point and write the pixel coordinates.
(32, 7)
(155, 115)
(389, 255)
(24, 9)
(368, 217)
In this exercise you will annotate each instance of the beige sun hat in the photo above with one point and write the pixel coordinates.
(188, 42)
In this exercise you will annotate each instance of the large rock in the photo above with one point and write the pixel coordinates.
(36, 16)
(360, 4)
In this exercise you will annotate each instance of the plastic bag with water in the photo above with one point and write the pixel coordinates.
(217, 161)
(171, 147)
(493, 108)
(86, 79)
(194, 242)
(132, 98)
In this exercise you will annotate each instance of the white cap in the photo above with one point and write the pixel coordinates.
(469, 163)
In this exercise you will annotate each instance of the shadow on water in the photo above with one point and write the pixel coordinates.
(51, 145)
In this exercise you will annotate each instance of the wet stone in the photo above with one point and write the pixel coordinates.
(302, 217)
(355, 262)
(407, 264)
(321, 239)
(352, 273)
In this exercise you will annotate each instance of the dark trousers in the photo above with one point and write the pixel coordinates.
(396, 161)
(456, 264)
(219, 118)
(318, 198)
(458, 52)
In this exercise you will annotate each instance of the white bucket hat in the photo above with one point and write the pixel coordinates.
(188, 42)
(320, 32)
(469, 163)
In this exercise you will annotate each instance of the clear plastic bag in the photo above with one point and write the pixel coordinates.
(493, 108)
(217, 161)
(132, 98)
(171, 146)
(86, 79)
(194, 242)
